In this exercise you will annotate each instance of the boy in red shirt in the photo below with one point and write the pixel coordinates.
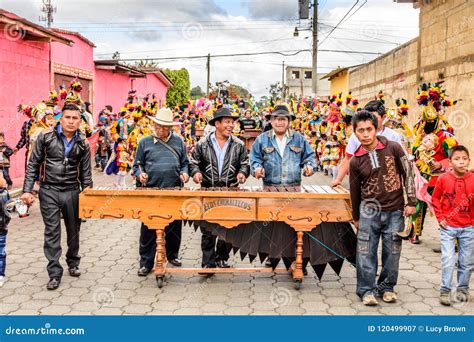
(453, 202)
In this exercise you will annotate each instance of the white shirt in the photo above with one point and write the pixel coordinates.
(281, 143)
(354, 143)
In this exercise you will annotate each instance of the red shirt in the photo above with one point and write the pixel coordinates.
(453, 199)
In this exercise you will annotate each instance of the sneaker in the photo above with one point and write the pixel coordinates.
(370, 300)
(389, 297)
(444, 298)
(2, 280)
(462, 296)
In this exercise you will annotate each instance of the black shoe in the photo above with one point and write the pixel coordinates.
(143, 271)
(74, 271)
(436, 250)
(222, 264)
(268, 263)
(53, 284)
(305, 271)
(207, 274)
(175, 262)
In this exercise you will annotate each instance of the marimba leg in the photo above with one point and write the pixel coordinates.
(298, 271)
(160, 266)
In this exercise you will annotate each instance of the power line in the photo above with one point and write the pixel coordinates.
(193, 47)
(340, 21)
(286, 53)
(357, 10)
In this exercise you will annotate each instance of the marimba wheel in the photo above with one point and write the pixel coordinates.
(298, 284)
(159, 282)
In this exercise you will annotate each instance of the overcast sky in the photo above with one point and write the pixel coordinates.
(163, 28)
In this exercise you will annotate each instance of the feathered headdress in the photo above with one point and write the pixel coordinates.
(74, 96)
(381, 97)
(25, 109)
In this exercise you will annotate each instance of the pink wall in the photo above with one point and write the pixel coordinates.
(151, 84)
(24, 78)
(80, 55)
(112, 88)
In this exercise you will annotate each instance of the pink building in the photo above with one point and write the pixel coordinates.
(25, 74)
(35, 60)
(113, 77)
(68, 62)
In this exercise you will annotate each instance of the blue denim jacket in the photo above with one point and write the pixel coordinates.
(287, 171)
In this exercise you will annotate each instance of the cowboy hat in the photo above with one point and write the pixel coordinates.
(222, 113)
(164, 117)
(280, 110)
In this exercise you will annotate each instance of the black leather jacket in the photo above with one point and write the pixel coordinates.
(58, 172)
(204, 160)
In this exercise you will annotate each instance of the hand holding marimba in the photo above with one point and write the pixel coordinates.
(308, 171)
(259, 173)
(197, 178)
(143, 178)
(184, 177)
(241, 178)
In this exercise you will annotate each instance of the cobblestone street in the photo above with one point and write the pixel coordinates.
(109, 284)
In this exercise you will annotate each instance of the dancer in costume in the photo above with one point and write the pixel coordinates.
(433, 139)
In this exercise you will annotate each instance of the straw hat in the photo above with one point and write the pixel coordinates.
(164, 117)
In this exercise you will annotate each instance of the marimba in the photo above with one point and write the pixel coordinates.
(313, 222)
(249, 136)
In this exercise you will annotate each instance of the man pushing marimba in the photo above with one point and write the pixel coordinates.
(219, 160)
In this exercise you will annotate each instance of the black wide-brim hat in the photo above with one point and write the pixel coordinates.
(280, 110)
(222, 113)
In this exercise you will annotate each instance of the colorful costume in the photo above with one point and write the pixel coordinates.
(433, 139)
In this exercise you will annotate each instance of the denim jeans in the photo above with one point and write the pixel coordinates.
(374, 225)
(465, 238)
(3, 254)
(6, 175)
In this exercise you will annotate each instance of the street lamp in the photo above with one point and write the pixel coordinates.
(296, 33)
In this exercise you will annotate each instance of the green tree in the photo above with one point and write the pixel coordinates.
(196, 92)
(178, 94)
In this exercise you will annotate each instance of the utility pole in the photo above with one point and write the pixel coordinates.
(208, 73)
(48, 10)
(314, 77)
(283, 81)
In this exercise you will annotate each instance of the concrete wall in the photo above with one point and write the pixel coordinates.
(303, 86)
(340, 83)
(443, 51)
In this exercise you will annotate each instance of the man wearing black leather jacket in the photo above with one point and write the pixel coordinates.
(63, 155)
(219, 160)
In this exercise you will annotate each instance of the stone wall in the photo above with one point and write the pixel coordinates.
(443, 51)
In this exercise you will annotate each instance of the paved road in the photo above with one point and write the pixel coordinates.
(109, 284)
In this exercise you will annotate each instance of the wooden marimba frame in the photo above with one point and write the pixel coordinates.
(302, 208)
